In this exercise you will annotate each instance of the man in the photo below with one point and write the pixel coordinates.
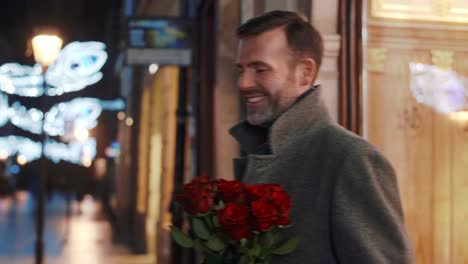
(346, 205)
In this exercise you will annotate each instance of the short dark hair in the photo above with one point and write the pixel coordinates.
(303, 39)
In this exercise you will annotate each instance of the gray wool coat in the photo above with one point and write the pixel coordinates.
(346, 204)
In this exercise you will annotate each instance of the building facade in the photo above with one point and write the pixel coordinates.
(175, 126)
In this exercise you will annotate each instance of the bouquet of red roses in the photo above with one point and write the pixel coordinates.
(232, 222)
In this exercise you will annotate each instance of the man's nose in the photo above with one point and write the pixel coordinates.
(246, 81)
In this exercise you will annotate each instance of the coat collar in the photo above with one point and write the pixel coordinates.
(306, 116)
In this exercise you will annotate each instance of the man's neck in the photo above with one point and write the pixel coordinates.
(299, 98)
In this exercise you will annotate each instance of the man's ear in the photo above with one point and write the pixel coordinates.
(308, 72)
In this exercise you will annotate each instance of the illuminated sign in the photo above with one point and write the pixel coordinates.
(160, 40)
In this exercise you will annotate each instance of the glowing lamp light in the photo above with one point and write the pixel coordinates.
(21, 159)
(153, 68)
(87, 162)
(81, 134)
(46, 49)
(129, 121)
(121, 116)
(4, 155)
(460, 116)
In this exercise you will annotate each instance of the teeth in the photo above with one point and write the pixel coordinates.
(254, 99)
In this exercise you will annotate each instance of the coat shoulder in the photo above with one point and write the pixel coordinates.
(340, 142)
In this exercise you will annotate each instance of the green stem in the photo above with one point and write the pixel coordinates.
(209, 222)
(254, 245)
(255, 240)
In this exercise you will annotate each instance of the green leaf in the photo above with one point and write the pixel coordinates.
(220, 205)
(213, 259)
(243, 242)
(244, 260)
(215, 221)
(287, 247)
(200, 229)
(267, 259)
(199, 245)
(256, 250)
(230, 256)
(270, 238)
(244, 250)
(215, 243)
(181, 238)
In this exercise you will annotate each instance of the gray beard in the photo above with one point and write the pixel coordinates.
(265, 118)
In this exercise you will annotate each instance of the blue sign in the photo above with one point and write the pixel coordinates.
(161, 33)
(164, 41)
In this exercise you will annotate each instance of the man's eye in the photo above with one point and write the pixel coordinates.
(261, 70)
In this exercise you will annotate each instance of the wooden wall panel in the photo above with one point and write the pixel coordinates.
(460, 194)
(460, 175)
(442, 11)
(442, 199)
(401, 128)
(428, 150)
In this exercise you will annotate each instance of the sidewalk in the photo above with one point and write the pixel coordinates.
(85, 238)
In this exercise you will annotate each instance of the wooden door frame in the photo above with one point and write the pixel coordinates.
(350, 81)
(205, 67)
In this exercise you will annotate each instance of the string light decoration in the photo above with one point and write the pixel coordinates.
(73, 152)
(77, 66)
(16, 79)
(26, 119)
(4, 110)
(80, 111)
(15, 145)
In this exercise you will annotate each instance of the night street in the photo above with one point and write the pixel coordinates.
(88, 239)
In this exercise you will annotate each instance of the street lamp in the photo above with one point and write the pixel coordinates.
(46, 49)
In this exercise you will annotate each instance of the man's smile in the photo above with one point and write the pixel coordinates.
(254, 100)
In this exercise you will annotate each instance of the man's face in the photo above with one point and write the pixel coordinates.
(267, 76)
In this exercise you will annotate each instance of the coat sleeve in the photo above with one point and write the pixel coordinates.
(366, 215)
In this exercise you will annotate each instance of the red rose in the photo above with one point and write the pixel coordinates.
(265, 215)
(234, 221)
(232, 191)
(197, 197)
(201, 179)
(259, 192)
(281, 201)
(263, 192)
(283, 220)
(274, 187)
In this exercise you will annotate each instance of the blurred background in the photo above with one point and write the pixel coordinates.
(119, 102)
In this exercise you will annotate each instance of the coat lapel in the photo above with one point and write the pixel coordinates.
(304, 117)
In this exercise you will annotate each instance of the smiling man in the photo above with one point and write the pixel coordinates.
(346, 205)
(271, 75)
